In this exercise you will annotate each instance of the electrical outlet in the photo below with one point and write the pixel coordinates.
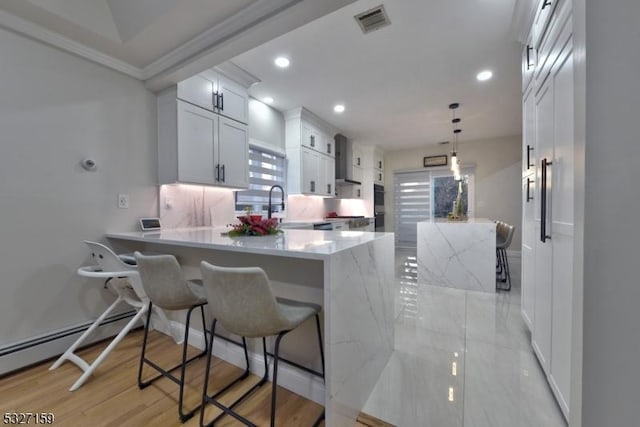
(123, 201)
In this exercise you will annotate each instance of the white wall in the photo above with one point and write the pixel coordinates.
(55, 109)
(266, 124)
(611, 337)
(497, 180)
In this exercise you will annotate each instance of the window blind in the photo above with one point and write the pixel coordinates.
(265, 169)
(412, 193)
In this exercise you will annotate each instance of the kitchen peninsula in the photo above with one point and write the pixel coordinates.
(457, 254)
(350, 273)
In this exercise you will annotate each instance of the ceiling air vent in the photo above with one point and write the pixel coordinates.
(372, 19)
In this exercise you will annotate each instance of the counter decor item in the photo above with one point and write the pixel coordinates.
(254, 225)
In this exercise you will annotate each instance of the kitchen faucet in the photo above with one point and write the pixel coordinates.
(269, 210)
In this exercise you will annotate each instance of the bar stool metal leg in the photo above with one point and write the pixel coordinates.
(184, 416)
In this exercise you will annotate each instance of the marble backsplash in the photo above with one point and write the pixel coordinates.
(184, 205)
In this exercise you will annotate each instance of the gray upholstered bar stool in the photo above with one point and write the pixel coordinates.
(164, 284)
(504, 236)
(242, 301)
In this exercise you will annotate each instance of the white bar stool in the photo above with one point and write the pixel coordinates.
(124, 281)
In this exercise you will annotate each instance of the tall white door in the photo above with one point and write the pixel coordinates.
(196, 130)
(541, 337)
(562, 224)
(233, 154)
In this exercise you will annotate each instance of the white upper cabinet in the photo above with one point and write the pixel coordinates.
(218, 93)
(233, 154)
(378, 160)
(310, 154)
(197, 146)
(197, 130)
(197, 90)
(232, 100)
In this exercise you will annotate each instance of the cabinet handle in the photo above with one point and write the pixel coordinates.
(546, 3)
(529, 64)
(216, 97)
(543, 202)
(223, 173)
(358, 160)
(313, 186)
(312, 140)
(529, 150)
(218, 172)
(529, 196)
(329, 148)
(380, 177)
(222, 101)
(328, 188)
(358, 193)
(379, 164)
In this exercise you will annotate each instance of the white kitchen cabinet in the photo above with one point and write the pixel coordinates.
(378, 167)
(350, 191)
(218, 93)
(548, 179)
(310, 153)
(197, 146)
(197, 130)
(233, 153)
(197, 90)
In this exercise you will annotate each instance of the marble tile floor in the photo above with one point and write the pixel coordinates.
(461, 358)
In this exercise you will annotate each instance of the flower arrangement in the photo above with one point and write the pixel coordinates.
(254, 225)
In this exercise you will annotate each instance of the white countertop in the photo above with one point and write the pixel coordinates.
(467, 221)
(309, 244)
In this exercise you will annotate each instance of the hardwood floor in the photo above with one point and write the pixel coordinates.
(112, 397)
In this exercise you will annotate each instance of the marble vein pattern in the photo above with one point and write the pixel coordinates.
(360, 328)
(457, 254)
(461, 358)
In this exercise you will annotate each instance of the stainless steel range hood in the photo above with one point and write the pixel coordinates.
(344, 161)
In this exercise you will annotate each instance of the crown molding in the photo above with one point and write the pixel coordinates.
(237, 74)
(36, 32)
(241, 21)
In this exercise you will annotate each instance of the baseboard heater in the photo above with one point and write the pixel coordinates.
(34, 350)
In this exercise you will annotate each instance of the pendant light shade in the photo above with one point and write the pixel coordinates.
(455, 121)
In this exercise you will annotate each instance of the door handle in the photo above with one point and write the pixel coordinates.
(529, 64)
(543, 202)
(529, 196)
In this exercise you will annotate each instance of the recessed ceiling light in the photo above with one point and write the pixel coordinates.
(339, 108)
(267, 100)
(282, 62)
(484, 75)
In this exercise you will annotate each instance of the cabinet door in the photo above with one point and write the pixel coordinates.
(330, 175)
(313, 138)
(197, 90)
(528, 252)
(562, 224)
(357, 158)
(529, 56)
(378, 161)
(378, 177)
(357, 174)
(528, 133)
(329, 145)
(233, 100)
(196, 131)
(233, 154)
(541, 336)
(310, 171)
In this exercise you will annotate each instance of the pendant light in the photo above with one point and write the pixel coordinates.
(455, 162)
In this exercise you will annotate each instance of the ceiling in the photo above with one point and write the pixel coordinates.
(134, 31)
(397, 82)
